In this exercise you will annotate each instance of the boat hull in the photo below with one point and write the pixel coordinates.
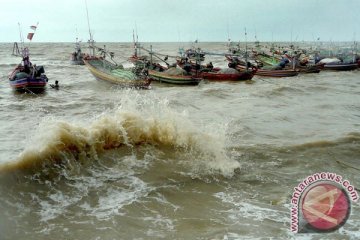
(106, 71)
(341, 66)
(227, 77)
(35, 85)
(77, 62)
(276, 73)
(173, 79)
(271, 73)
(23, 82)
(310, 68)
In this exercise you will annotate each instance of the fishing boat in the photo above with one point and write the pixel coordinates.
(339, 66)
(228, 74)
(28, 77)
(77, 56)
(174, 76)
(267, 60)
(276, 73)
(112, 72)
(309, 68)
(209, 72)
(105, 70)
(263, 71)
(158, 72)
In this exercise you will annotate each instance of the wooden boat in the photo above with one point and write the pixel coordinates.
(276, 73)
(77, 56)
(341, 66)
(135, 59)
(174, 79)
(192, 65)
(28, 77)
(271, 72)
(33, 81)
(111, 72)
(264, 72)
(310, 68)
(267, 60)
(107, 71)
(208, 72)
(222, 76)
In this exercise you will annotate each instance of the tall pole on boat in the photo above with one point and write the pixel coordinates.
(138, 47)
(228, 36)
(151, 53)
(91, 41)
(21, 37)
(355, 47)
(246, 54)
(135, 47)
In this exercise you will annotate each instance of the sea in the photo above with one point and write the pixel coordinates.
(220, 160)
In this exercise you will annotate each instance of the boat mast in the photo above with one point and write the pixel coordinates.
(91, 41)
(355, 48)
(138, 47)
(246, 54)
(21, 37)
(135, 47)
(228, 36)
(151, 55)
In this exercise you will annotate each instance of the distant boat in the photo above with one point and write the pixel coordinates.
(174, 77)
(157, 72)
(209, 72)
(338, 66)
(310, 68)
(267, 60)
(263, 72)
(77, 56)
(27, 77)
(16, 50)
(276, 73)
(110, 72)
(227, 75)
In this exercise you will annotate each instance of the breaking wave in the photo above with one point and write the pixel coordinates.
(138, 120)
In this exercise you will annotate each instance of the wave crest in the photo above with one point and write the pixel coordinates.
(128, 128)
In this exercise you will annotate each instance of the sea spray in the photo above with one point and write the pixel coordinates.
(138, 119)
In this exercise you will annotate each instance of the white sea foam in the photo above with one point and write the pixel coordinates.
(139, 119)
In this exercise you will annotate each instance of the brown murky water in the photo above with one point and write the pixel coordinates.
(214, 161)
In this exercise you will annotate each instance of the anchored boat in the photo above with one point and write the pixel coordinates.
(174, 77)
(28, 77)
(107, 71)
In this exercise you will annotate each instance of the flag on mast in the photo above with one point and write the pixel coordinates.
(31, 34)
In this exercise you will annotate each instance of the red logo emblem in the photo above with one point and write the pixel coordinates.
(325, 207)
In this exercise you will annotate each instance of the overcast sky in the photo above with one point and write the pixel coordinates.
(182, 20)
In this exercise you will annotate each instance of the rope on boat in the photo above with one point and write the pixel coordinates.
(223, 54)
(207, 53)
(26, 89)
(105, 53)
(262, 79)
(152, 53)
(157, 53)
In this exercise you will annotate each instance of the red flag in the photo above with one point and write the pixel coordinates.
(30, 36)
(33, 27)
